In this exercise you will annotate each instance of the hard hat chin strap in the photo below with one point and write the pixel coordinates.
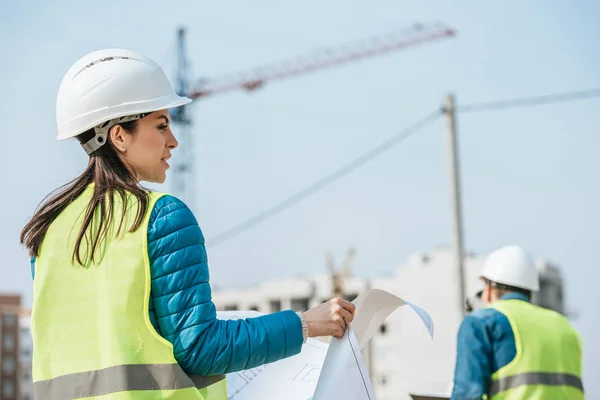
(101, 132)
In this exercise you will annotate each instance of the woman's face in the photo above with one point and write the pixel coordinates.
(147, 150)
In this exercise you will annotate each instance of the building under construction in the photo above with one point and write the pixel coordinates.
(402, 359)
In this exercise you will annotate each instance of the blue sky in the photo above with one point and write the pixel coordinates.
(529, 175)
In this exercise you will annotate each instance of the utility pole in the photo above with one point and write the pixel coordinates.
(455, 198)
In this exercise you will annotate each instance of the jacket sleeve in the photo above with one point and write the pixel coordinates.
(473, 360)
(185, 314)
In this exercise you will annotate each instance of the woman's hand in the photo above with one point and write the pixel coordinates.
(330, 318)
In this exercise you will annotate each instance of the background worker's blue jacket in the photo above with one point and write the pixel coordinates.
(181, 307)
(485, 344)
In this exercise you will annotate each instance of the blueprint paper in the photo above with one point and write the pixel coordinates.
(344, 374)
(425, 317)
(293, 378)
(238, 314)
(322, 371)
(373, 307)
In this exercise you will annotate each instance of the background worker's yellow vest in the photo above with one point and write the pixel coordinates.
(92, 336)
(547, 365)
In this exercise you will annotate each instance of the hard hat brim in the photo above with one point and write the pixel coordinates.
(75, 127)
(532, 287)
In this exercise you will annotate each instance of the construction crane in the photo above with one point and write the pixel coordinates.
(339, 275)
(326, 57)
(183, 168)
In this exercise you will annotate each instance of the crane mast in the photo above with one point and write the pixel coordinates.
(183, 177)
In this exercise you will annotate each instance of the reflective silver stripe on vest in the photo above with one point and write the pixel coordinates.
(535, 378)
(120, 378)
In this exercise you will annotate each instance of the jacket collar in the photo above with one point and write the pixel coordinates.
(515, 296)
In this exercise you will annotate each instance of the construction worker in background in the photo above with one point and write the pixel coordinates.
(122, 302)
(512, 349)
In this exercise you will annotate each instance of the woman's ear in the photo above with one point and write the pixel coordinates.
(119, 138)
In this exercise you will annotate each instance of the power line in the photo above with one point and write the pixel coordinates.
(529, 101)
(388, 144)
(325, 181)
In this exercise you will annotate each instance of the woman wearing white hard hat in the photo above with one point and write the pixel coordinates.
(122, 302)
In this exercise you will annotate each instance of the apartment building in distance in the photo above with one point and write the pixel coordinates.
(15, 349)
(401, 358)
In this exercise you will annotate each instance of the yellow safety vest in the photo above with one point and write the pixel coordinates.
(548, 362)
(92, 335)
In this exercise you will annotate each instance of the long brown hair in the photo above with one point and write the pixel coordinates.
(110, 176)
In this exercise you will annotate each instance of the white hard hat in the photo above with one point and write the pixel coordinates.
(511, 266)
(104, 86)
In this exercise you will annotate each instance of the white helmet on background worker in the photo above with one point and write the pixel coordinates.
(107, 87)
(511, 266)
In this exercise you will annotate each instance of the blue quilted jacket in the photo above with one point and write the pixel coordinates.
(485, 344)
(182, 311)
